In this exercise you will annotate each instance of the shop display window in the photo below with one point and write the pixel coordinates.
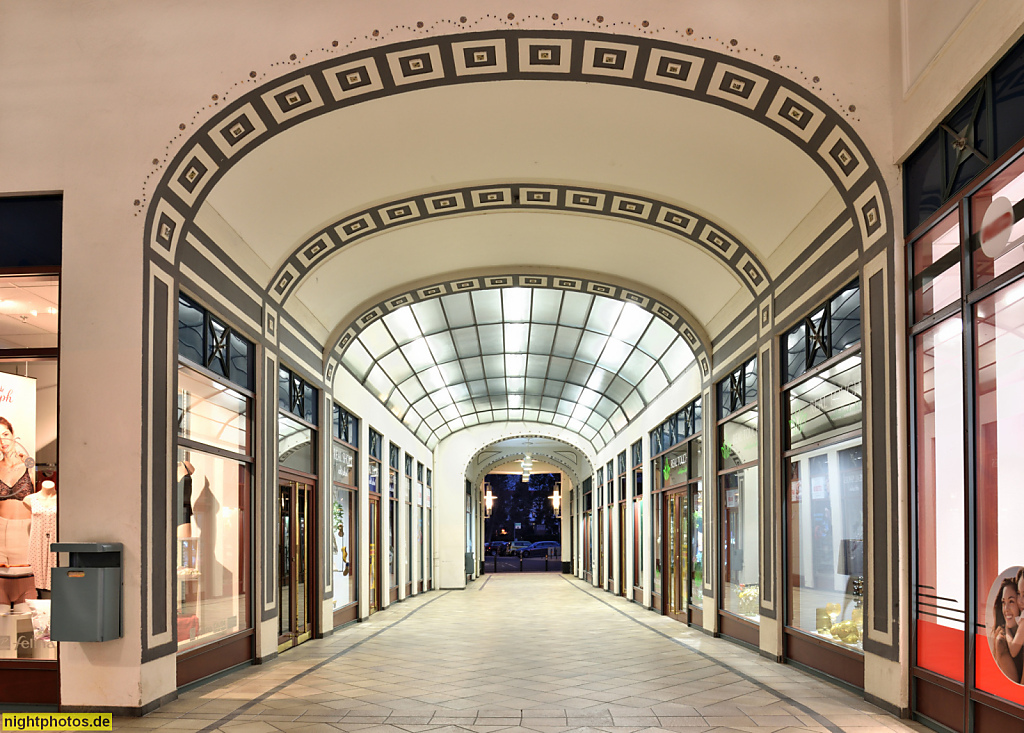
(941, 579)
(428, 500)
(826, 543)
(936, 267)
(999, 434)
(28, 502)
(697, 545)
(213, 479)
(344, 466)
(739, 495)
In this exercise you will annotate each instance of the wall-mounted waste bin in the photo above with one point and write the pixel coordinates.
(86, 594)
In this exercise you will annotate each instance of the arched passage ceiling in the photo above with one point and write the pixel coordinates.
(747, 152)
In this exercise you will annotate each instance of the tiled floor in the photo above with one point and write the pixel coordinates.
(542, 653)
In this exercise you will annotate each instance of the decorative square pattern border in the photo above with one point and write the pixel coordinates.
(737, 85)
(605, 58)
(545, 55)
(192, 175)
(416, 65)
(238, 130)
(292, 99)
(353, 79)
(486, 56)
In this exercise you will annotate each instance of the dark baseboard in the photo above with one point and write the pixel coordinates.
(119, 711)
(777, 658)
(902, 713)
(266, 658)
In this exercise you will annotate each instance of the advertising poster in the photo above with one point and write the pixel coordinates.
(17, 431)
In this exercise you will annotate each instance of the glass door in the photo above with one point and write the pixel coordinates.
(295, 585)
(677, 531)
(622, 548)
(600, 547)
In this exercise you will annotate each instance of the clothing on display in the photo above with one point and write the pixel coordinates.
(43, 532)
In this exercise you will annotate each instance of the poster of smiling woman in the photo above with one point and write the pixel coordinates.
(1005, 623)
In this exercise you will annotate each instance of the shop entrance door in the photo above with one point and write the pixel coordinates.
(295, 554)
(375, 581)
(600, 547)
(677, 532)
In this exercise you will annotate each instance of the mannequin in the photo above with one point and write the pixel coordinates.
(185, 471)
(43, 505)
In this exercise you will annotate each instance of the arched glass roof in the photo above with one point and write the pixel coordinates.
(581, 361)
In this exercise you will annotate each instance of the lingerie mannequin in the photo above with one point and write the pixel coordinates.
(185, 471)
(43, 505)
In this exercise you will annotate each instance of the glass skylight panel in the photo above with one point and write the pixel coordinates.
(618, 389)
(377, 339)
(599, 379)
(442, 432)
(430, 316)
(617, 421)
(677, 359)
(550, 404)
(459, 392)
(657, 339)
(492, 339)
(441, 398)
(589, 397)
(452, 373)
(537, 366)
(501, 415)
(412, 421)
(588, 432)
(546, 305)
(574, 424)
(581, 412)
(558, 369)
(595, 421)
(471, 419)
(614, 355)
(517, 337)
(358, 360)
(607, 433)
(403, 326)
(451, 412)
(632, 405)
(398, 404)
(496, 386)
(458, 308)
(482, 404)
(605, 407)
(591, 346)
(553, 387)
(473, 367)
(412, 390)
(533, 401)
(571, 392)
(603, 315)
(494, 366)
(532, 415)
(652, 385)
(499, 402)
(423, 433)
(434, 421)
(432, 379)
(465, 407)
(477, 388)
(442, 347)
(515, 365)
(566, 339)
(467, 342)
(378, 383)
(541, 339)
(515, 385)
(636, 367)
(487, 306)
(575, 308)
(396, 367)
(579, 372)
(565, 407)
(417, 353)
(560, 420)
(423, 406)
(632, 323)
(534, 385)
(515, 400)
(516, 304)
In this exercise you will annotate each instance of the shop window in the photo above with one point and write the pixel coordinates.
(941, 582)
(376, 441)
(999, 434)
(28, 460)
(297, 396)
(936, 267)
(825, 497)
(739, 498)
(345, 463)
(213, 484)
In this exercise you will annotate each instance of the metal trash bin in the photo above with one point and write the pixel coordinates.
(86, 595)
